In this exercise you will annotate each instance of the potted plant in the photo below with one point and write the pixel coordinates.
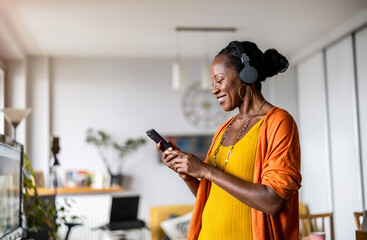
(42, 216)
(112, 153)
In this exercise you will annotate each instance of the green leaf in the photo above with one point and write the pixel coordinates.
(105, 144)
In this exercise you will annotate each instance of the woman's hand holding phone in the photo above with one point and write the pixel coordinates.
(167, 158)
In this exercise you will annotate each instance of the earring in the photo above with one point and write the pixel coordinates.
(239, 93)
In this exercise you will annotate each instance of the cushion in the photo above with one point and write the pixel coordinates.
(165, 237)
(161, 213)
(177, 228)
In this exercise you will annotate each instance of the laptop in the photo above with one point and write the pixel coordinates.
(123, 215)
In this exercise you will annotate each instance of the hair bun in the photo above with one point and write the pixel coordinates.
(274, 62)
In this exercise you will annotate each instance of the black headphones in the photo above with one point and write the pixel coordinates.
(248, 74)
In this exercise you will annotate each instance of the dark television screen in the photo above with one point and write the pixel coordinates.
(11, 160)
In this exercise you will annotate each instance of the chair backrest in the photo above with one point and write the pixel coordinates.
(303, 209)
(311, 223)
(357, 217)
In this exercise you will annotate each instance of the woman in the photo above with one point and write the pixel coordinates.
(248, 186)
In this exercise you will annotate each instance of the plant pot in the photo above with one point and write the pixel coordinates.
(116, 180)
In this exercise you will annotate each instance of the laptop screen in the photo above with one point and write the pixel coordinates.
(124, 208)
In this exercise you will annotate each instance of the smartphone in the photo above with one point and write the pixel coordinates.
(156, 137)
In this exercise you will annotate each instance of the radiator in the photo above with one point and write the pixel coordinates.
(93, 211)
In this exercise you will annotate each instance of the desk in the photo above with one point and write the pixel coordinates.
(135, 234)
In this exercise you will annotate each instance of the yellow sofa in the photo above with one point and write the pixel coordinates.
(161, 213)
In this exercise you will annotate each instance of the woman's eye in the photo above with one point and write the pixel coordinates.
(220, 80)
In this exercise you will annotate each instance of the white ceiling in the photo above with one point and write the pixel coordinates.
(146, 28)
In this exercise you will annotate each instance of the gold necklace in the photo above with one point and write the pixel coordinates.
(238, 137)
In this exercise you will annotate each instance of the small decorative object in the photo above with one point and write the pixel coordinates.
(15, 115)
(54, 162)
(40, 180)
(77, 178)
(113, 153)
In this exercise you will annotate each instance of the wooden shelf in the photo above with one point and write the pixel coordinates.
(361, 235)
(78, 191)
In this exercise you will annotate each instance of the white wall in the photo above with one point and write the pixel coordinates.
(16, 93)
(38, 128)
(284, 91)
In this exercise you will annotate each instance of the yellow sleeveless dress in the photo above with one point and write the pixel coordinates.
(225, 217)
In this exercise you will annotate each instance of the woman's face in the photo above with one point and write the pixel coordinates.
(226, 83)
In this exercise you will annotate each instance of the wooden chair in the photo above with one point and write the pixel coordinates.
(357, 217)
(311, 223)
(303, 210)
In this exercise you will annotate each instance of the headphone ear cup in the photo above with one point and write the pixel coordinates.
(248, 75)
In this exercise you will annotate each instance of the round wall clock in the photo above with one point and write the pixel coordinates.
(201, 107)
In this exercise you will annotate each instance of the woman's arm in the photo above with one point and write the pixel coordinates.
(191, 182)
(258, 196)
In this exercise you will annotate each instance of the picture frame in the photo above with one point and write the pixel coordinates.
(195, 144)
(39, 179)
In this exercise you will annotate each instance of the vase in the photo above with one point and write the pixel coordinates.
(116, 180)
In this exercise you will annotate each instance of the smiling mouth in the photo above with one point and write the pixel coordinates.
(221, 99)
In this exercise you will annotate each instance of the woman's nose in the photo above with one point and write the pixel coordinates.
(215, 89)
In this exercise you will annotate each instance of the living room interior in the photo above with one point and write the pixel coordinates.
(107, 66)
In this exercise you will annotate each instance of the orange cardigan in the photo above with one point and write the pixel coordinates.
(277, 166)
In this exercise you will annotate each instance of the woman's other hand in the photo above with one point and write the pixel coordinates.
(160, 146)
(167, 159)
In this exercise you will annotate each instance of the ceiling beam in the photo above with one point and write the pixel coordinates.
(206, 29)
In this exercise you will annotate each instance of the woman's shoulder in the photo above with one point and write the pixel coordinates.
(280, 127)
(278, 118)
(277, 114)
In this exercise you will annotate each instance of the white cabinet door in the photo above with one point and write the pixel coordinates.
(361, 57)
(2, 100)
(315, 191)
(345, 163)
